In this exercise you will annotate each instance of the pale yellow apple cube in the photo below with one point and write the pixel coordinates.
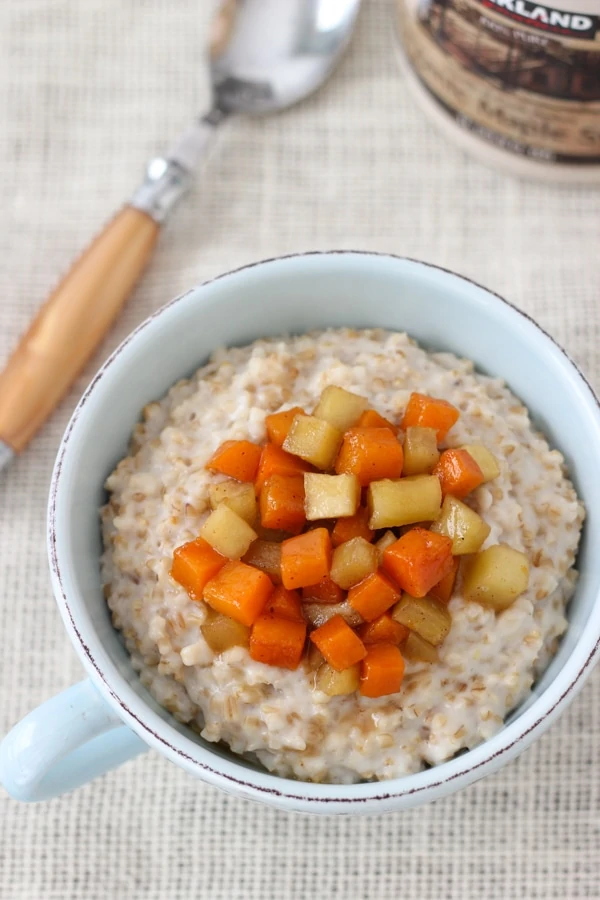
(227, 533)
(340, 408)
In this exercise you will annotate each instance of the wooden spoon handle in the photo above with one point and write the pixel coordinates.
(71, 324)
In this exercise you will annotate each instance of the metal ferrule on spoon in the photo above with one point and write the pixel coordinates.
(265, 55)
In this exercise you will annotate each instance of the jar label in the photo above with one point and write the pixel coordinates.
(522, 75)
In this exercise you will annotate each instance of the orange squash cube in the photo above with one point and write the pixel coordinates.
(383, 630)
(381, 671)
(194, 564)
(430, 412)
(442, 591)
(278, 424)
(373, 596)
(351, 527)
(418, 560)
(281, 503)
(239, 591)
(306, 559)
(277, 641)
(371, 419)
(326, 591)
(284, 604)
(458, 472)
(340, 646)
(238, 459)
(275, 461)
(371, 454)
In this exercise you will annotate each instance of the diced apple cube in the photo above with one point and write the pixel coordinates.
(466, 529)
(352, 561)
(485, 459)
(384, 542)
(238, 496)
(337, 684)
(330, 496)
(404, 501)
(266, 556)
(314, 440)
(420, 450)
(221, 633)
(339, 407)
(496, 576)
(319, 613)
(418, 650)
(428, 617)
(227, 533)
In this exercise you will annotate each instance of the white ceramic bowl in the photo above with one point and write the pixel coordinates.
(105, 720)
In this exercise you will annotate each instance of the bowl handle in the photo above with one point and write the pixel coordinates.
(63, 743)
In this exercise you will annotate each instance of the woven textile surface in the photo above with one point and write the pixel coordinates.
(88, 92)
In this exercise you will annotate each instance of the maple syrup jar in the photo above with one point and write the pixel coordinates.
(514, 81)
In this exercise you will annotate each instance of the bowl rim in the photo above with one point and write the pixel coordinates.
(236, 777)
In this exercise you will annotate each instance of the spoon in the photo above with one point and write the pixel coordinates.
(265, 56)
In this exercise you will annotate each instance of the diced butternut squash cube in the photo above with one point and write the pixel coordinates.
(227, 533)
(496, 576)
(194, 564)
(383, 630)
(326, 591)
(458, 472)
(405, 501)
(381, 671)
(353, 526)
(372, 419)
(340, 646)
(443, 590)
(418, 650)
(330, 496)
(352, 562)
(313, 440)
(420, 450)
(339, 407)
(237, 496)
(221, 633)
(370, 454)
(428, 617)
(485, 459)
(275, 461)
(278, 424)
(281, 503)
(465, 528)
(266, 556)
(306, 559)
(372, 596)
(319, 613)
(418, 560)
(277, 642)
(384, 542)
(239, 591)
(337, 684)
(284, 604)
(274, 535)
(430, 412)
(238, 459)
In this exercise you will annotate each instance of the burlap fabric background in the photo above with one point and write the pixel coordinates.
(88, 91)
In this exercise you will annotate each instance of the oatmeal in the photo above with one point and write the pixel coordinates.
(461, 673)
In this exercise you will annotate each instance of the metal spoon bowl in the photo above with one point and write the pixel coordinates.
(266, 55)
(278, 51)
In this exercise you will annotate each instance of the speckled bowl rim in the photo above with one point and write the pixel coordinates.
(237, 778)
